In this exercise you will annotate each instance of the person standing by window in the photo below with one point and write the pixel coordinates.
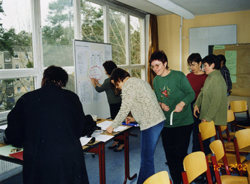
(48, 124)
(174, 94)
(113, 99)
(196, 78)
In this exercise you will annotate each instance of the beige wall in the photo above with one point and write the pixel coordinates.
(169, 35)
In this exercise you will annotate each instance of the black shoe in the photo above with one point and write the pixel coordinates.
(113, 147)
(201, 179)
(119, 150)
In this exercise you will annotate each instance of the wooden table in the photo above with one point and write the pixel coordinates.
(97, 147)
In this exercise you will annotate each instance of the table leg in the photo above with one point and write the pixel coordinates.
(101, 153)
(102, 162)
(126, 157)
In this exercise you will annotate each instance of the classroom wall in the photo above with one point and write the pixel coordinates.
(169, 34)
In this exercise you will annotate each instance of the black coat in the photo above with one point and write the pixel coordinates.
(48, 123)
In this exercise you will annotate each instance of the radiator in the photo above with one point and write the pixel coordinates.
(8, 169)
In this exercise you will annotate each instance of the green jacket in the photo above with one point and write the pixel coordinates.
(112, 98)
(171, 90)
(212, 100)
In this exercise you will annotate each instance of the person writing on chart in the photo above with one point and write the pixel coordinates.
(196, 78)
(212, 100)
(48, 123)
(113, 100)
(174, 94)
(139, 99)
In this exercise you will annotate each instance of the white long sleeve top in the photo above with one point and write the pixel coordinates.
(139, 99)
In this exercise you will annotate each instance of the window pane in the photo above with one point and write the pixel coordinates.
(57, 32)
(136, 73)
(117, 36)
(135, 40)
(92, 22)
(15, 34)
(12, 89)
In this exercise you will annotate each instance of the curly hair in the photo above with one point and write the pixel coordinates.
(55, 75)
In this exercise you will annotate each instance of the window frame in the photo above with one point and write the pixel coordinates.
(38, 68)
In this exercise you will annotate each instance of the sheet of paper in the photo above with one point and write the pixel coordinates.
(84, 140)
(103, 138)
(105, 124)
(6, 150)
(3, 127)
(119, 128)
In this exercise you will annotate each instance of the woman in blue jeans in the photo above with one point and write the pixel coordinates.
(139, 99)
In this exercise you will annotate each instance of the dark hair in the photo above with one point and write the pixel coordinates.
(118, 75)
(159, 55)
(222, 58)
(210, 59)
(194, 57)
(55, 75)
(109, 66)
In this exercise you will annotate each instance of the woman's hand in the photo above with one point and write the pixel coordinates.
(129, 119)
(93, 81)
(179, 107)
(203, 120)
(110, 129)
(164, 106)
(196, 109)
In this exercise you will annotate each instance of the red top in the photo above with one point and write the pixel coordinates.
(197, 82)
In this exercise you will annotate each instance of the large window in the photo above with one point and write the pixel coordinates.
(117, 36)
(15, 44)
(92, 22)
(57, 32)
(35, 34)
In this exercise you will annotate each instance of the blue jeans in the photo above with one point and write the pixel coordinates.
(149, 139)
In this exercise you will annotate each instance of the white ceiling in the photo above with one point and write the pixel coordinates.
(196, 7)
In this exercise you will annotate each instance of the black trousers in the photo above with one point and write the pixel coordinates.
(175, 143)
(114, 109)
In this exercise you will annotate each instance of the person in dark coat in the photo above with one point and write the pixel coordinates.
(48, 123)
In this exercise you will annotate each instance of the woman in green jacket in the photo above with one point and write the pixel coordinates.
(212, 100)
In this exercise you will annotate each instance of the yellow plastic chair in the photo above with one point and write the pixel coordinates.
(159, 178)
(230, 119)
(219, 154)
(248, 173)
(229, 160)
(194, 165)
(240, 107)
(208, 130)
(242, 141)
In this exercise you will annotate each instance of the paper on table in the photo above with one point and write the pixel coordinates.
(103, 138)
(105, 124)
(3, 127)
(119, 128)
(6, 150)
(84, 140)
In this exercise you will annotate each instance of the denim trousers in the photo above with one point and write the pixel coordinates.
(149, 139)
